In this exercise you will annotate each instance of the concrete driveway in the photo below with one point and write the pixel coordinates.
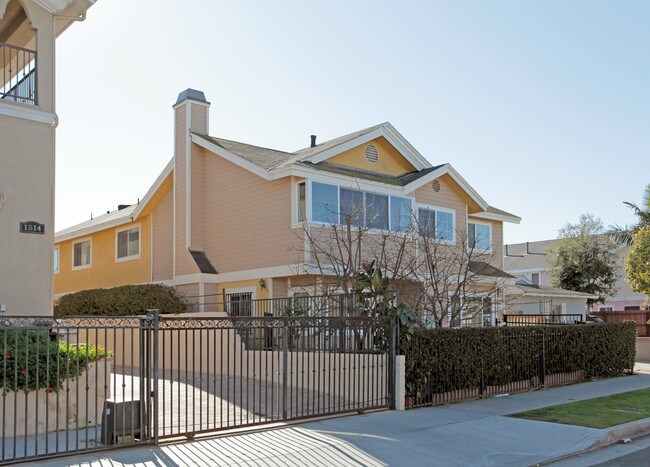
(472, 433)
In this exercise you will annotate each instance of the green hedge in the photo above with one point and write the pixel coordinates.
(31, 360)
(127, 300)
(442, 360)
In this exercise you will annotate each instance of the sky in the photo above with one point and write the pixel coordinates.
(542, 106)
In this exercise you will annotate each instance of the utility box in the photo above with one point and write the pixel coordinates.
(121, 420)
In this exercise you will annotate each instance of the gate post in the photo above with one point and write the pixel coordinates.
(285, 371)
(154, 391)
(392, 366)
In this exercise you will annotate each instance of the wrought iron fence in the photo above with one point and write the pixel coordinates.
(18, 74)
(73, 384)
(64, 392)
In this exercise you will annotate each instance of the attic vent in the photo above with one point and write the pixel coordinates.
(436, 186)
(372, 155)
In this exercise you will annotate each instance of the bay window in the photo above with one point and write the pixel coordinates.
(376, 211)
(324, 203)
(351, 207)
(400, 214)
(302, 202)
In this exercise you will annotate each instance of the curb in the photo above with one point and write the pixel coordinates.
(605, 437)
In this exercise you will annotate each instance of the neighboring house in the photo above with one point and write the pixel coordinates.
(530, 260)
(528, 298)
(28, 32)
(225, 217)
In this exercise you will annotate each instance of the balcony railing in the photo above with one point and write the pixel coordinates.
(17, 74)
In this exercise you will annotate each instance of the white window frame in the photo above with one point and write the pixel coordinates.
(58, 258)
(83, 266)
(132, 257)
(251, 289)
(489, 224)
(432, 207)
(295, 211)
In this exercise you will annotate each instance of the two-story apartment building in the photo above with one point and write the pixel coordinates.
(28, 32)
(530, 260)
(229, 216)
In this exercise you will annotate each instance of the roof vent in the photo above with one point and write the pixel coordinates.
(372, 155)
(313, 141)
(435, 185)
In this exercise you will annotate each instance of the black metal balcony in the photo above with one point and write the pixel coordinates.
(18, 74)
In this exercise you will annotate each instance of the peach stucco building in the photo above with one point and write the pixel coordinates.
(228, 216)
(28, 32)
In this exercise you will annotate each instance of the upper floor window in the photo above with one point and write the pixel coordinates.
(376, 211)
(436, 223)
(401, 213)
(534, 278)
(324, 203)
(128, 243)
(302, 202)
(81, 254)
(479, 236)
(351, 207)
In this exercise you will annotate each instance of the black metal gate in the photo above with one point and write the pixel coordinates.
(78, 384)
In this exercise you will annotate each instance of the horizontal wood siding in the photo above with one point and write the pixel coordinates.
(447, 197)
(163, 240)
(249, 221)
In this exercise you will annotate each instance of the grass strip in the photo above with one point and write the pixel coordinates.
(601, 412)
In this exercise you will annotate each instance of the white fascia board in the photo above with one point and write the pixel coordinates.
(497, 217)
(94, 228)
(519, 271)
(448, 169)
(154, 188)
(404, 147)
(345, 146)
(250, 274)
(388, 132)
(230, 157)
(338, 179)
(28, 113)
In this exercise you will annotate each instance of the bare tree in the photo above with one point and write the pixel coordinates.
(436, 268)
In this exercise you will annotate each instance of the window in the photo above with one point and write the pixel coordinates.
(376, 211)
(302, 202)
(606, 308)
(351, 208)
(436, 224)
(477, 312)
(427, 222)
(240, 304)
(81, 254)
(632, 308)
(534, 278)
(55, 260)
(128, 243)
(400, 214)
(325, 202)
(480, 236)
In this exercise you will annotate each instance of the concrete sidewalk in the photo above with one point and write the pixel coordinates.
(472, 433)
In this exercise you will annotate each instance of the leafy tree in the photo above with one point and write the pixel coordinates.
(584, 259)
(638, 262)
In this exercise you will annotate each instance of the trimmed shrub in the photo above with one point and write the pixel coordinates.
(32, 360)
(127, 300)
(443, 360)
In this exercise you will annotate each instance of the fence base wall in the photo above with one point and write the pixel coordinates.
(643, 349)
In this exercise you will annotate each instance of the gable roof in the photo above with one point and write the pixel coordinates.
(115, 218)
(272, 164)
(528, 255)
